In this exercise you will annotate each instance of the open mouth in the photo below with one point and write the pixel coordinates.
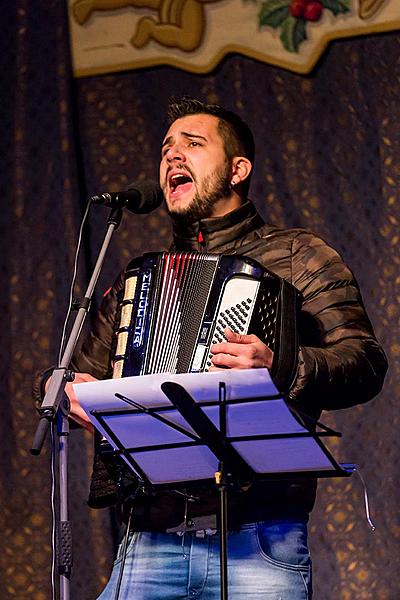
(179, 182)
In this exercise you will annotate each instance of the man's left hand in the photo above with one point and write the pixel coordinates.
(240, 352)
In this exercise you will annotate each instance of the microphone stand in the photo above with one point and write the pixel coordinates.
(56, 405)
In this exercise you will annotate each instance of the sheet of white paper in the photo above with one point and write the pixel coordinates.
(146, 389)
(260, 417)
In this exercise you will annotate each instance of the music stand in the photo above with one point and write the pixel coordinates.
(226, 426)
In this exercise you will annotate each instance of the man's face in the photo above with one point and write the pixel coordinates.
(195, 173)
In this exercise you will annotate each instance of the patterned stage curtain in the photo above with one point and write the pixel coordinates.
(328, 159)
(40, 214)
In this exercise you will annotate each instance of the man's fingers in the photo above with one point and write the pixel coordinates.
(77, 413)
(241, 352)
(236, 362)
(224, 360)
(83, 378)
(235, 349)
(82, 421)
(240, 338)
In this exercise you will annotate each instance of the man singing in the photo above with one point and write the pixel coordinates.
(206, 161)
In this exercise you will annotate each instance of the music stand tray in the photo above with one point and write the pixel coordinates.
(157, 442)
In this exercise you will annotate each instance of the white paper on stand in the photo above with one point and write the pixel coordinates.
(263, 415)
(203, 387)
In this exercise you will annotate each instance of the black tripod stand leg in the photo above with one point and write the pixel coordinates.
(223, 532)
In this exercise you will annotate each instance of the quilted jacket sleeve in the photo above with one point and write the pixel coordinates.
(341, 363)
(95, 354)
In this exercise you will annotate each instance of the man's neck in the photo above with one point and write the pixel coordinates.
(226, 205)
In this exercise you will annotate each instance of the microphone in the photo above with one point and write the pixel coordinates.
(140, 197)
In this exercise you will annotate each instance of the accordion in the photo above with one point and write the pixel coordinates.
(174, 306)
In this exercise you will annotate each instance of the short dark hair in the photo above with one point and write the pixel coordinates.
(235, 133)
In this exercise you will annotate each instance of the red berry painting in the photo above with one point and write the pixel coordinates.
(293, 16)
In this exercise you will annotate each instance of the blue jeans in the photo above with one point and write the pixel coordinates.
(268, 560)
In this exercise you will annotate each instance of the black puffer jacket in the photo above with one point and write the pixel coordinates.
(340, 360)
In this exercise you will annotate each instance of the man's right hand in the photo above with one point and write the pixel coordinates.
(77, 413)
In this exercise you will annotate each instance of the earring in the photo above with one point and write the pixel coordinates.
(233, 182)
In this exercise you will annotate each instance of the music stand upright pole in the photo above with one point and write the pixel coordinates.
(221, 479)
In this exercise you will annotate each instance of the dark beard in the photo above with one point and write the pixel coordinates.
(215, 187)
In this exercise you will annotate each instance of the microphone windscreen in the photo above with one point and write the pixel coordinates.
(146, 197)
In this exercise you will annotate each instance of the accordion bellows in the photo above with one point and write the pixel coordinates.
(174, 306)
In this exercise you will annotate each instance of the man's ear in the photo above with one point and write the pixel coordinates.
(241, 169)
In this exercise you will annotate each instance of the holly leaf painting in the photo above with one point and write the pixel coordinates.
(280, 14)
(336, 6)
(274, 13)
(293, 33)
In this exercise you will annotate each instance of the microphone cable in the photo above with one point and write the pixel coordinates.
(73, 280)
